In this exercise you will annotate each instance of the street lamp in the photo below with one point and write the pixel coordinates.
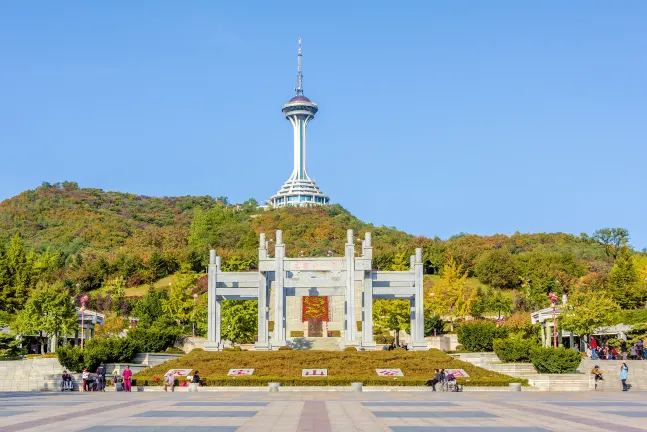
(553, 301)
(195, 297)
(432, 295)
(83, 300)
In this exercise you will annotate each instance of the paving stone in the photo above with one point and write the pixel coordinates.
(193, 414)
(434, 414)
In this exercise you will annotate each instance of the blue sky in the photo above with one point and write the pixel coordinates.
(435, 117)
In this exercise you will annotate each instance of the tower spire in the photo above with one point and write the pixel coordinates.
(299, 88)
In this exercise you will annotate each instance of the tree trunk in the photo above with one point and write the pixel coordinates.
(43, 342)
(397, 338)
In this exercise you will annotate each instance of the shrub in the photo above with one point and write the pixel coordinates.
(71, 358)
(479, 335)
(514, 350)
(237, 348)
(296, 333)
(555, 360)
(350, 348)
(433, 322)
(174, 350)
(384, 339)
(285, 348)
(10, 346)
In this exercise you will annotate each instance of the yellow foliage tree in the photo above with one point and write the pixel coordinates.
(451, 295)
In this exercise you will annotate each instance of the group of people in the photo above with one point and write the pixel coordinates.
(97, 381)
(624, 374)
(625, 351)
(169, 380)
(447, 381)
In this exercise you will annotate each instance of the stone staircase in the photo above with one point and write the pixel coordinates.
(324, 344)
(611, 372)
(44, 374)
(30, 374)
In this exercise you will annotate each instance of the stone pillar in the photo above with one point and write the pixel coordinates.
(213, 305)
(279, 295)
(368, 343)
(262, 344)
(418, 335)
(349, 310)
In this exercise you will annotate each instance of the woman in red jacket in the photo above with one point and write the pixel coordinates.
(127, 376)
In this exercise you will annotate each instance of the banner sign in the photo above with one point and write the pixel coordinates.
(178, 372)
(458, 373)
(314, 372)
(240, 372)
(389, 372)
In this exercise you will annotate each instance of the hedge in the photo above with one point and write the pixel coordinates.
(328, 382)
(555, 360)
(479, 335)
(513, 350)
(343, 366)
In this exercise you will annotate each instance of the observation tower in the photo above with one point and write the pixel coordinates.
(299, 189)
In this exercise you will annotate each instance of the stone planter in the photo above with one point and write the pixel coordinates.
(357, 386)
(193, 387)
(274, 387)
(515, 387)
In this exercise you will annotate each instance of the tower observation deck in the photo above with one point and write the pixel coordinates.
(299, 189)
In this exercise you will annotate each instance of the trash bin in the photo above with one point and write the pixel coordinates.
(274, 387)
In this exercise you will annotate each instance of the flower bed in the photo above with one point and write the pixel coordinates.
(343, 367)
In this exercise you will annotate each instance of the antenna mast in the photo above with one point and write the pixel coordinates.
(299, 88)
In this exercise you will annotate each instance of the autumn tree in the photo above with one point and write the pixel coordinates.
(179, 303)
(452, 296)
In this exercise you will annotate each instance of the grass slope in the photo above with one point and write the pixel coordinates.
(343, 368)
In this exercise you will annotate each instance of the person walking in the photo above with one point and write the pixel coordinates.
(101, 374)
(598, 375)
(127, 376)
(169, 381)
(624, 373)
(639, 348)
(633, 351)
(85, 375)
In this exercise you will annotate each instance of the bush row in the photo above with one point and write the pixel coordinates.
(545, 360)
(329, 381)
(156, 338)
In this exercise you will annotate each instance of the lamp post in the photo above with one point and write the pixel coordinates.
(83, 300)
(553, 300)
(432, 299)
(195, 297)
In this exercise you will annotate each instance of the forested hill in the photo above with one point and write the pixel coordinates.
(88, 237)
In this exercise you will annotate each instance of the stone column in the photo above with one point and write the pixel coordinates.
(418, 335)
(279, 295)
(213, 305)
(262, 344)
(368, 343)
(349, 310)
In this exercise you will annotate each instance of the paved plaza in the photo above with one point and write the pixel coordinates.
(324, 411)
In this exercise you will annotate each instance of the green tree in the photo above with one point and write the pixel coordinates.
(498, 269)
(612, 239)
(48, 310)
(624, 284)
(588, 311)
(239, 320)
(401, 262)
(117, 289)
(16, 275)
(10, 346)
(392, 315)
(150, 307)
(179, 304)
